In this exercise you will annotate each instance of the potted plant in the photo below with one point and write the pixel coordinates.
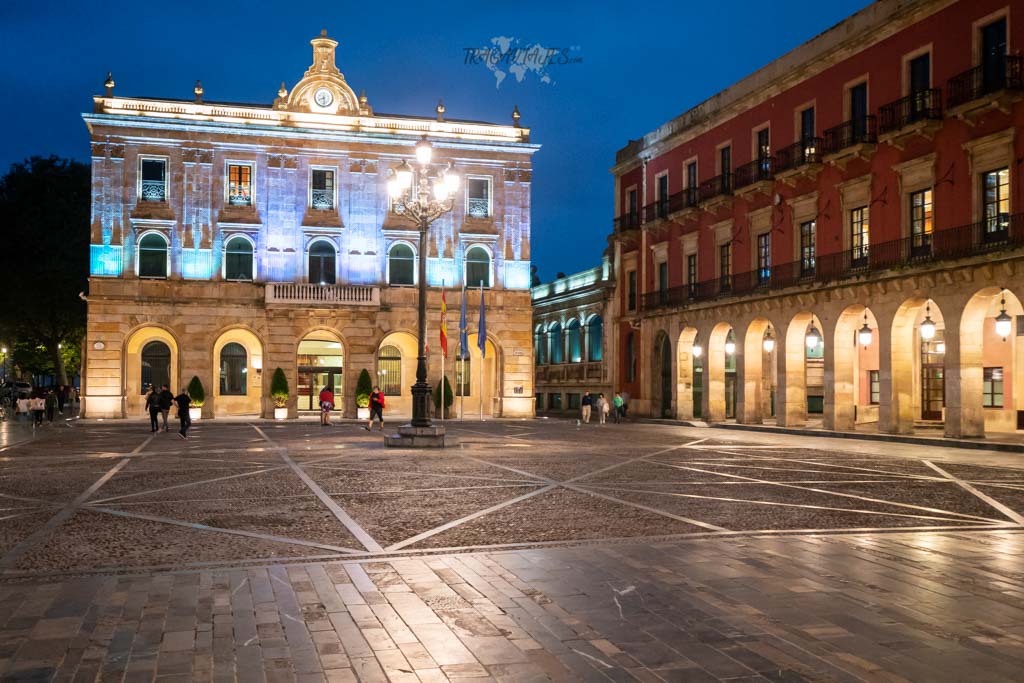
(449, 397)
(364, 385)
(198, 397)
(279, 393)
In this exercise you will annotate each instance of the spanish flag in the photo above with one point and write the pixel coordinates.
(444, 325)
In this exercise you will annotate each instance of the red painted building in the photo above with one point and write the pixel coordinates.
(870, 177)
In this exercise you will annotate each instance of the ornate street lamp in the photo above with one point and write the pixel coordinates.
(928, 325)
(730, 344)
(865, 336)
(813, 337)
(422, 193)
(697, 349)
(769, 341)
(1004, 323)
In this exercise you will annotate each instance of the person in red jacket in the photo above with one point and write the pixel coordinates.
(376, 408)
(326, 406)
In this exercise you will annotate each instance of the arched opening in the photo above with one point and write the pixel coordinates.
(156, 348)
(401, 265)
(917, 386)
(555, 343)
(853, 396)
(720, 396)
(396, 371)
(238, 259)
(595, 344)
(478, 267)
(801, 374)
(153, 256)
(475, 373)
(320, 361)
(322, 263)
(689, 366)
(540, 345)
(981, 396)
(238, 374)
(662, 377)
(756, 394)
(574, 341)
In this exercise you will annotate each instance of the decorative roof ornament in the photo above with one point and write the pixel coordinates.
(323, 89)
(198, 90)
(282, 92)
(109, 84)
(364, 104)
(440, 110)
(516, 116)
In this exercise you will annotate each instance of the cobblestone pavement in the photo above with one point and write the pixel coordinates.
(532, 551)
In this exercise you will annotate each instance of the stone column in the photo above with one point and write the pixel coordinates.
(791, 408)
(964, 377)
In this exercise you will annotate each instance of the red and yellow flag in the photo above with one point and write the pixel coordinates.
(444, 325)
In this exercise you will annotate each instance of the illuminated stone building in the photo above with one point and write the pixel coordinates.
(229, 240)
(837, 238)
(569, 338)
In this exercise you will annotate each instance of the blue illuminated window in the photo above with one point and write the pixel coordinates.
(322, 263)
(153, 256)
(594, 331)
(478, 267)
(238, 259)
(401, 265)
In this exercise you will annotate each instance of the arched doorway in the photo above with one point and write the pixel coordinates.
(237, 374)
(689, 374)
(320, 360)
(756, 397)
(150, 356)
(853, 395)
(471, 375)
(662, 377)
(802, 371)
(917, 392)
(721, 374)
(396, 371)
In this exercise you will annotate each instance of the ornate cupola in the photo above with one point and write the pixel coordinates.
(323, 89)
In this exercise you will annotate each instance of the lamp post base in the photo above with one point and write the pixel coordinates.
(409, 436)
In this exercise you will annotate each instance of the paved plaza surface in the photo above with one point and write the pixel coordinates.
(533, 550)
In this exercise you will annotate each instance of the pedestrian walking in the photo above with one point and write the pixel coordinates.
(326, 406)
(50, 405)
(182, 400)
(585, 405)
(376, 408)
(62, 397)
(617, 408)
(153, 408)
(165, 400)
(23, 408)
(38, 405)
(601, 406)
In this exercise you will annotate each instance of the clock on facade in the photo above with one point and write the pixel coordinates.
(323, 97)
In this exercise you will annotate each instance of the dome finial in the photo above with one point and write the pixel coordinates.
(198, 90)
(516, 116)
(440, 110)
(282, 92)
(109, 84)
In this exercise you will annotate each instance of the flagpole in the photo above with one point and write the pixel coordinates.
(482, 343)
(444, 332)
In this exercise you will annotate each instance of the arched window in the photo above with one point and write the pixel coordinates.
(153, 256)
(238, 259)
(321, 263)
(478, 267)
(540, 349)
(575, 340)
(555, 342)
(233, 369)
(156, 366)
(401, 265)
(389, 370)
(594, 331)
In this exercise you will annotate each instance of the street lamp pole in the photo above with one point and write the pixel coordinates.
(423, 201)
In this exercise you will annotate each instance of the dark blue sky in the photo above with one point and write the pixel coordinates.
(642, 64)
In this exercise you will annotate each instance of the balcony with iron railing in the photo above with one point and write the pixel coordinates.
(719, 186)
(322, 200)
(982, 80)
(659, 209)
(754, 172)
(975, 239)
(860, 131)
(807, 151)
(923, 105)
(153, 191)
(627, 221)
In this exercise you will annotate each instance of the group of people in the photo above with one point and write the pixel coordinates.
(159, 402)
(48, 403)
(376, 407)
(600, 405)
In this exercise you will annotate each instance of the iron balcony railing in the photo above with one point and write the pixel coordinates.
(716, 187)
(322, 200)
(923, 105)
(684, 199)
(1005, 74)
(627, 221)
(154, 191)
(807, 151)
(1000, 232)
(756, 171)
(849, 133)
(658, 209)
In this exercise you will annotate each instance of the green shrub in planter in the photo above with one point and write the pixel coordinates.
(279, 389)
(449, 397)
(364, 387)
(196, 392)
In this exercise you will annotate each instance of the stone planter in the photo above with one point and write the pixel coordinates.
(280, 413)
(195, 413)
(363, 413)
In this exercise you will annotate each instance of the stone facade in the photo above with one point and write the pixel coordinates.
(837, 236)
(261, 227)
(569, 339)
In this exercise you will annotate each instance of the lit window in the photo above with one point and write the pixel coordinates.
(238, 259)
(156, 366)
(992, 388)
(764, 258)
(233, 370)
(539, 347)
(555, 342)
(575, 340)
(478, 267)
(859, 235)
(322, 189)
(996, 199)
(594, 331)
(153, 186)
(401, 265)
(240, 185)
(808, 254)
(921, 222)
(478, 197)
(874, 387)
(321, 263)
(389, 368)
(153, 256)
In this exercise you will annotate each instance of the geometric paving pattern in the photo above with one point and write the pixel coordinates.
(102, 497)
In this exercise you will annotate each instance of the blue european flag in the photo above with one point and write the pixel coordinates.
(481, 333)
(463, 330)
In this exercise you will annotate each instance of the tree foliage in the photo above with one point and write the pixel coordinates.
(449, 397)
(196, 392)
(364, 386)
(279, 389)
(44, 235)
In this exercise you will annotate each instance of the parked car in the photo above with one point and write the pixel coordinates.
(16, 390)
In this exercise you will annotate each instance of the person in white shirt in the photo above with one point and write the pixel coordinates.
(23, 408)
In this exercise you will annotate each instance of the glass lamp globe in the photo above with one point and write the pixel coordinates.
(1004, 324)
(928, 328)
(865, 336)
(769, 342)
(451, 181)
(813, 338)
(698, 350)
(423, 152)
(730, 347)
